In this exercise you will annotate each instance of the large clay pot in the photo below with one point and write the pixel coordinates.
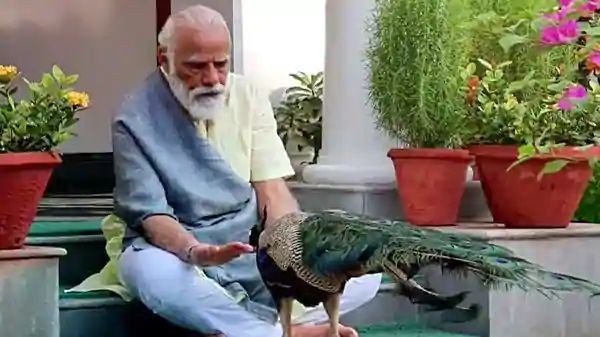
(23, 180)
(430, 184)
(518, 199)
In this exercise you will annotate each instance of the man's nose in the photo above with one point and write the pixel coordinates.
(210, 76)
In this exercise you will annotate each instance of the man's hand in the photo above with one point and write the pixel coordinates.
(213, 255)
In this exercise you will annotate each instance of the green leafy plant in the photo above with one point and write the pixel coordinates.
(589, 207)
(299, 117)
(44, 119)
(529, 89)
(499, 31)
(415, 55)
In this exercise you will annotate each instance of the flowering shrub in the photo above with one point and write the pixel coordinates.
(44, 119)
(552, 103)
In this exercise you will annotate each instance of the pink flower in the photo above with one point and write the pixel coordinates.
(565, 104)
(564, 33)
(591, 6)
(568, 7)
(560, 15)
(574, 94)
(592, 63)
(594, 58)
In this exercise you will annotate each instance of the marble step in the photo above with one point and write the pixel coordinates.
(102, 314)
(80, 236)
(372, 200)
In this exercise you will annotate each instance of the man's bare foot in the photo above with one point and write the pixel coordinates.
(320, 330)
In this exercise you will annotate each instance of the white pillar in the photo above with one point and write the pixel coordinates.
(354, 152)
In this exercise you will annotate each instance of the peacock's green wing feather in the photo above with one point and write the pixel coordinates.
(332, 246)
(334, 241)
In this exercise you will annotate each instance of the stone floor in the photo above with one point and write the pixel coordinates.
(572, 250)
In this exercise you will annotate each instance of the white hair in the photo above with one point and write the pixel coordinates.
(197, 15)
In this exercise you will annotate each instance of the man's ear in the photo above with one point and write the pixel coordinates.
(161, 57)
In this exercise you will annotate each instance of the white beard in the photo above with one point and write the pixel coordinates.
(202, 103)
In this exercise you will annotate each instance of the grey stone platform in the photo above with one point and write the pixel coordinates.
(573, 250)
(29, 292)
(378, 200)
(505, 314)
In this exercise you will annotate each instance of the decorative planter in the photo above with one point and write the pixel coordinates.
(29, 305)
(518, 199)
(23, 180)
(430, 184)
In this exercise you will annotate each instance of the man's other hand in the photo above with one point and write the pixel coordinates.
(214, 255)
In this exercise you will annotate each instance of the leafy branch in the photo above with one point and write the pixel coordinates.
(44, 120)
(299, 117)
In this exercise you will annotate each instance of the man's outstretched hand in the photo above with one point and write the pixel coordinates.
(214, 255)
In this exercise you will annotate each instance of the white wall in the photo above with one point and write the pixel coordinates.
(109, 43)
(282, 37)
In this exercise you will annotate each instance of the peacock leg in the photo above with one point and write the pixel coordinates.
(285, 314)
(332, 307)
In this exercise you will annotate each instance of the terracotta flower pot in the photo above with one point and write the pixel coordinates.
(430, 184)
(23, 180)
(518, 199)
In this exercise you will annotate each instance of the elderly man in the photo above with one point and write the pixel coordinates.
(196, 155)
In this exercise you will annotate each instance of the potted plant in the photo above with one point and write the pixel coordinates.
(533, 113)
(299, 118)
(415, 55)
(30, 129)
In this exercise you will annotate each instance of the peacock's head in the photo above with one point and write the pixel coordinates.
(257, 229)
(254, 235)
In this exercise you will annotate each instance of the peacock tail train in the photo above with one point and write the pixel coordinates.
(322, 247)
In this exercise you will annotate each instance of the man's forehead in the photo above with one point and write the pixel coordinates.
(202, 37)
(205, 57)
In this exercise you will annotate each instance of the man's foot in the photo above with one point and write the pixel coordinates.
(320, 330)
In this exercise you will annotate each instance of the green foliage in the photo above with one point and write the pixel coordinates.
(416, 51)
(589, 208)
(43, 120)
(518, 82)
(299, 117)
(524, 112)
(501, 30)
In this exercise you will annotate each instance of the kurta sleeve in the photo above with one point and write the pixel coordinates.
(269, 160)
(139, 192)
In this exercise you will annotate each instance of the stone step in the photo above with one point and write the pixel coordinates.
(372, 200)
(80, 236)
(101, 314)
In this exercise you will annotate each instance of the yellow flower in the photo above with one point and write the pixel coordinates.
(7, 73)
(78, 99)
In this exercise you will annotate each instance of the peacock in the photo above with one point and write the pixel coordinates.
(309, 257)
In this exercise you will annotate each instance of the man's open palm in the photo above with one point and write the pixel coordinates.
(214, 255)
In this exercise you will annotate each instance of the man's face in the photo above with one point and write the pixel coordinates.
(198, 68)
